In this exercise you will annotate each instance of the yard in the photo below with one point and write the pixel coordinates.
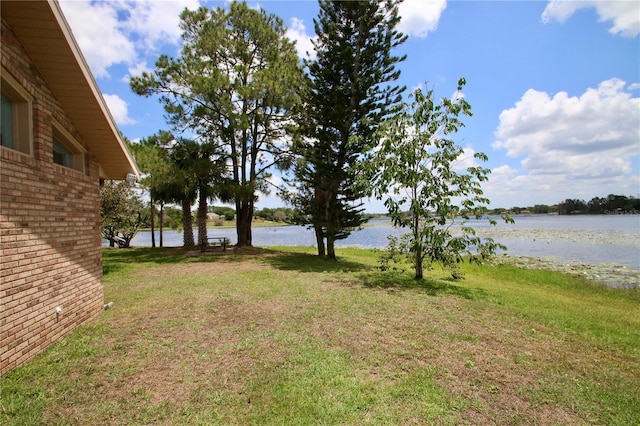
(278, 336)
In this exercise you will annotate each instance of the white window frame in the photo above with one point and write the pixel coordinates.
(22, 117)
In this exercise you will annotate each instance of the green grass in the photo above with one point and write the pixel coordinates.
(282, 337)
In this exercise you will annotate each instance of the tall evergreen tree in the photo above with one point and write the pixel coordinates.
(234, 84)
(351, 91)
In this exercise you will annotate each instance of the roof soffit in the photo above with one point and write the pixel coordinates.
(47, 38)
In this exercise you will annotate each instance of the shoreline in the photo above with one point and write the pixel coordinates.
(608, 274)
(565, 247)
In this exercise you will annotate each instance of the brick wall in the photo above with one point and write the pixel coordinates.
(50, 246)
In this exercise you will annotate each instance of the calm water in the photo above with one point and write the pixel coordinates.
(577, 239)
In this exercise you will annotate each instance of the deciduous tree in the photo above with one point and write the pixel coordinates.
(120, 212)
(152, 158)
(418, 171)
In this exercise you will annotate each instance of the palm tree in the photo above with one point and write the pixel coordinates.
(180, 189)
(172, 191)
(202, 169)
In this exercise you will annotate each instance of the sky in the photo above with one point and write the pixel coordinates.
(554, 85)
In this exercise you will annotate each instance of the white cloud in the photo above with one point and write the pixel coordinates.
(137, 69)
(571, 144)
(419, 17)
(457, 96)
(466, 160)
(297, 33)
(119, 109)
(508, 187)
(624, 15)
(99, 34)
(601, 119)
(156, 22)
(122, 32)
(272, 200)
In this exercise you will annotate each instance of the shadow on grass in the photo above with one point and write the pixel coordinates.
(433, 287)
(305, 262)
(369, 276)
(118, 259)
(145, 254)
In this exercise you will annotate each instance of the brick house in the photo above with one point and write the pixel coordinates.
(59, 141)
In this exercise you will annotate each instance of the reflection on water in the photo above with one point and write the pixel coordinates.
(579, 239)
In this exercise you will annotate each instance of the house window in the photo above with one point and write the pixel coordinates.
(67, 151)
(15, 113)
(6, 131)
(62, 155)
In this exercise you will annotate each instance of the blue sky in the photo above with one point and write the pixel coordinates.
(554, 86)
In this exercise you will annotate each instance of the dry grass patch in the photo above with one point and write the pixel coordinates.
(269, 337)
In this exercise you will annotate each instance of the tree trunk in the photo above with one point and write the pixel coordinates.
(161, 222)
(244, 217)
(331, 249)
(187, 224)
(202, 216)
(417, 241)
(330, 218)
(321, 216)
(418, 262)
(320, 241)
(153, 223)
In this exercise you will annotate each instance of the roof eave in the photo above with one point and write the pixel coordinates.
(56, 54)
(82, 63)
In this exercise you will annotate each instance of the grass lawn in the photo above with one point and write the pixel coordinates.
(281, 337)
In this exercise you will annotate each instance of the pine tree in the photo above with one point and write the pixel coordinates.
(351, 92)
(234, 85)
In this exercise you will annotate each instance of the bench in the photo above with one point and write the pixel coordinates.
(214, 242)
(120, 241)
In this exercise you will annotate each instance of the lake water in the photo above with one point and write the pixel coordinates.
(591, 239)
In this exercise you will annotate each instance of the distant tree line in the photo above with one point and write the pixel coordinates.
(228, 213)
(171, 218)
(611, 204)
(536, 209)
(279, 214)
